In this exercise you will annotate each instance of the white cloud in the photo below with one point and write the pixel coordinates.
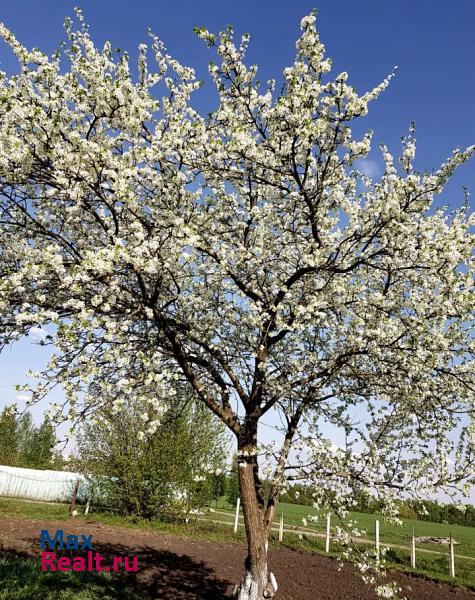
(369, 167)
(23, 397)
(38, 333)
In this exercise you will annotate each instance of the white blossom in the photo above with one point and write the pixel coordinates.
(244, 255)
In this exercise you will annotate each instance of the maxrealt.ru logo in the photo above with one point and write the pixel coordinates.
(93, 561)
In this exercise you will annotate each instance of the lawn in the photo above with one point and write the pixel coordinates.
(23, 580)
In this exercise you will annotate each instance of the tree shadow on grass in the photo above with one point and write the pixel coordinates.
(22, 579)
(161, 574)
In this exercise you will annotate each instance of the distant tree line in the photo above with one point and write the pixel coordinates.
(298, 494)
(23, 444)
(423, 510)
(443, 513)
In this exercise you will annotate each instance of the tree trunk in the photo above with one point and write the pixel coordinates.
(257, 583)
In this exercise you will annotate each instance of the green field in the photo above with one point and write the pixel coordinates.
(390, 534)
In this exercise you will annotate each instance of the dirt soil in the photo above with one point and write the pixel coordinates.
(177, 568)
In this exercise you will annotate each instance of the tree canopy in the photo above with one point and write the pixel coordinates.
(22, 444)
(165, 473)
(245, 255)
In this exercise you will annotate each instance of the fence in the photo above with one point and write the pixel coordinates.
(450, 542)
(33, 484)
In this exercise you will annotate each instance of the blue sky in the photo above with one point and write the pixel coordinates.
(431, 41)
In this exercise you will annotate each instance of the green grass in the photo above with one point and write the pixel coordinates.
(12, 507)
(392, 534)
(389, 533)
(59, 512)
(23, 580)
(433, 566)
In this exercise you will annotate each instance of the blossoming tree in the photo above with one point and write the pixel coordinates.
(244, 254)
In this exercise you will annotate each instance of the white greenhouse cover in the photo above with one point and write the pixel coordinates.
(49, 486)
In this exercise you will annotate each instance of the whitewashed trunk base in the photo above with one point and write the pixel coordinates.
(249, 587)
